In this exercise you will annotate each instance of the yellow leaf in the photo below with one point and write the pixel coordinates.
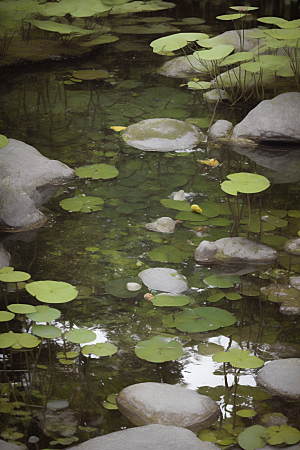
(210, 162)
(118, 128)
(196, 208)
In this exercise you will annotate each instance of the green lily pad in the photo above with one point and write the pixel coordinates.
(100, 349)
(199, 319)
(3, 141)
(253, 437)
(103, 39)
(230, 16)
(44, 314)
(90, 74)
(170, 300)
(168, 253)
(239, 358)
(46, 331)
(209, 348)
(118, 287)
(159, 349)
(275, 221)
(19, 308)
(18, 340)
(97, 171)
(291, 213)
(219, 222)
(191, 216)
(56, 27)
(233, 296)
(9, 275)
(283, 435)
(215, 297)
(247, 183)
(237, 58)
(176, 204)
(67, 355)
(80, 336)
(199, 85)
(222, 281)
(175, 41)
(217, 52)
(246, 413)
(52, 291)
(82, 204)
(5, 316)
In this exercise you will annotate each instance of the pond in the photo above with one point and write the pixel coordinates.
(70, 119)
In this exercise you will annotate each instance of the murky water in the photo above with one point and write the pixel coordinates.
(71, 123)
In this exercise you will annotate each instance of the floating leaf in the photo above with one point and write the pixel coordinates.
(217, 52)
(97, 171)
(3, 141)
(82, 204)
(46, 331)
(80, 336)
(9, 275)
(209, 348)
(118, 287)
(271, 20)
(19, 308)
(215, 297)
(56, 27)
(100, 349)
(230, 16)
(52, 291)
(159, 349)
(283, 435)
(5, 316)
(170, 300)
(44, 314)
(199, 85)
(233, 296)
(18, 340)
(243, 8)
(244, 182)
(222, 281)
(90, 74)
(239, 358)
(103, 39)
(285, 33)
(236, 58)
(275, 221)
(168, 253)
(253, 437)
(180, 205)
(246, 413)
(175, 41)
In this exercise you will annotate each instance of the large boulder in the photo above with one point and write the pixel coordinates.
(162, 135)
(281, 377)
(28, 180)
(4, 258)
(235, 250)
(272, 120)
(164, 404)
(150, 437)
(7, 446)
(164, 279)
(182, 67)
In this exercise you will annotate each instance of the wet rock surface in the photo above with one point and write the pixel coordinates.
(162, 225)
(234, 250)
(28, 180)
(147, 403)
(272, 120)
(162, 135)
(150, 437)
(293, 246)
(182, 67)
(8, 446)
(220, 129)
(164, 279)
(281, 377)
(287, 296)
(4, 257)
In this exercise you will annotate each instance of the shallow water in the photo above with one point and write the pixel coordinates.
(71, 122)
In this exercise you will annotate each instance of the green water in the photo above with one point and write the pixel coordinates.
(72, 123)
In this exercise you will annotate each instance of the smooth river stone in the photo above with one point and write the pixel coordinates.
(162, 135)
(164, 404)
(150, 437)
(293, 246)
(162, 225)
(281, 377)
(164, 280)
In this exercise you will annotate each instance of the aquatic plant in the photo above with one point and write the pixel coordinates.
(159, 349)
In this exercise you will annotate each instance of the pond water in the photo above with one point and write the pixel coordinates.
(72, 122)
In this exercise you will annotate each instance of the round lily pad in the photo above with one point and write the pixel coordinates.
(118, 287)
(18, 340)
(46, 331)
(9, 275)
(3, 141)
(159, 349)
(166, 299)
(80, 336)
(90, 74)
(44, 314)
(180, 205)
(247, 183)
(82, 204)
(100, 349)
(52, 291)
(222, 281)
(19, 308)
(239, 358)
(97, 171)
(5, 316)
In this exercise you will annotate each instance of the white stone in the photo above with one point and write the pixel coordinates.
(281, 377)
(293, 246)
(220, 129)
(162, 225)
(164, 280)
(182, 67)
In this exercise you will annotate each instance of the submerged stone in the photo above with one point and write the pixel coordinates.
(272, 120)
(293, 246)
(150, 437)
(287, 296)
(215, 95)
(281, 377)
(220, 129)
(233, 251)
(182, 67)
(164, 279)
(162, 225)
(164, 404)
(162, 135)
(8, 446)
(4, 257)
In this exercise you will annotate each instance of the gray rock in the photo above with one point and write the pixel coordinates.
(295, 282)
(150, 437)
(293, 246)
(272, 120)
(164, 404)
(215, 95)
(288, 297)
(162, 225)
(162, 135)
(7, 446)
(164, 279)
(220, 129)
(182, 67)
(28, 180)
(231, 37)
(281, 377)
(4, 257)
(234, 250)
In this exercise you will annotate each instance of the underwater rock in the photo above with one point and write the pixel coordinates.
(149, 437)
(288, 297)
(272, 120)
(281, 377)
(4, 257)
(220, 129)
(28, 180)
(232, 37)
(182, 67)
(293, 246)
(8, 446)
(295, 282)
(162, 225)
(234, 250)
(162, 135)
(164, 279)
(165, 404)
(215, 95)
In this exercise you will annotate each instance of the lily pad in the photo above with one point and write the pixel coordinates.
(253, 437)
(18, 340)
(239, 358)
(168, 253)
(80, 336)
(103, 39)
(5, 316)
(19, 308)
(247, 183)
(46, 331)
(199, 319)
(44, 314)
(90, 74)
(118, 287)
(175, 41)
(217, 52)
(52, 291)
(82, 204)
(180, 205)
(9, 275)
(159, 349)
(166, 299)
(100, 349)
(3, 141)
(222, 281)
(97, 171)
(209, 348)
